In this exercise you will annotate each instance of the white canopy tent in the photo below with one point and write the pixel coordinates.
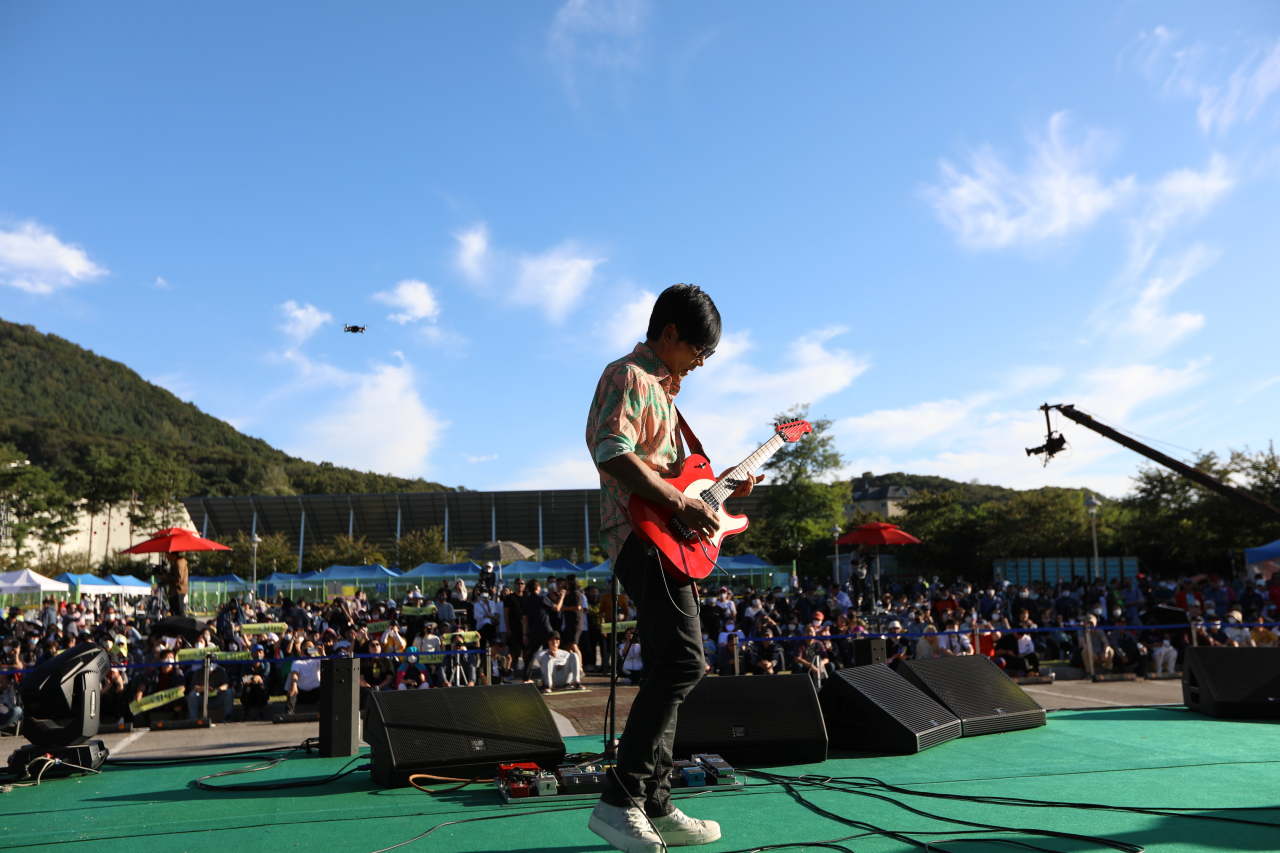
(24, 581)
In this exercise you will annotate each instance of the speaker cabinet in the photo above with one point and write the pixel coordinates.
(977, 691)
(1225, 682)
(872, 708)
(868, 651)
(464, 733)
(753, 720)
(339, 707)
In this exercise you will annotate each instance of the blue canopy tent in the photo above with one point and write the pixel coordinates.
(357, 573)
(745, 566)
(292, 585)
(90, 584)
(230, 581)
(444, 571)
(132, 585)
(1258, 557)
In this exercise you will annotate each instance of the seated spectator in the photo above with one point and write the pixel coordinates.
(927, 645)
(1164, 656)
(1130, 655)
(159, 679)
(560, 668)
(988, 637)
(767, 656)
(736, 657)
(10, 710)
(255, 699)
(219, 689)
(304, 679)
(632, 665)
(114, 698)
(459, 670)
(1236, 631)
(722, 642)
(1016, 652)
(953, 643)
(1262, 636)
(896, 649)
(412, 674)
(1095, 640)
(809, 658)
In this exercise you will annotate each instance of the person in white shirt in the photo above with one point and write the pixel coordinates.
(304, 679)
(727, 604)
(629, 652)
(952, 644)
(559, 668)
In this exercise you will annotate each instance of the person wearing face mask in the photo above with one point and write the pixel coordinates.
(730, 629)
(303, 684)
(157, 680)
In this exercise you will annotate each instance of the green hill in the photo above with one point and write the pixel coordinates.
(61, 406)
(973, 494)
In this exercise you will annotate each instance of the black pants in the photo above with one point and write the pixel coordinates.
(178, 605)
(671, 648)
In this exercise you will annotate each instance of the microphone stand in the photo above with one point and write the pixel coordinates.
(612, 742)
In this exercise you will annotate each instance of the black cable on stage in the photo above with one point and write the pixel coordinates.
(307, 745)
(276, 786)
(992, 799)
(789, 783)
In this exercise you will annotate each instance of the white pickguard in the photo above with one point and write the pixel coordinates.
(728, 524)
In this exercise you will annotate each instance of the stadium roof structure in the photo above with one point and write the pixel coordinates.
(559, 518)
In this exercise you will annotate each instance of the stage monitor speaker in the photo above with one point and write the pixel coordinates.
(464, 733)
(753, 720)
(873, 708)
(1226, 682)
(339, 707)
(868, 651)
(977, 691)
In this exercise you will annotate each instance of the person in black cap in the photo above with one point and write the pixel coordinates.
(254, 676)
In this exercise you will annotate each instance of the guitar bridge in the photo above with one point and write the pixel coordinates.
(681, 530)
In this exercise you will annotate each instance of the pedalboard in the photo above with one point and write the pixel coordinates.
(529, 783)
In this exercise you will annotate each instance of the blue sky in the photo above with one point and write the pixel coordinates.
(923, 221)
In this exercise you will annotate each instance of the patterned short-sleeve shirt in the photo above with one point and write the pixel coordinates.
(633, 411)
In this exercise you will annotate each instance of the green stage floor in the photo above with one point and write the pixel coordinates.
(1145, 757)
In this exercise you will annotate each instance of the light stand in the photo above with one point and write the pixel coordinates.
(835, 568)
(255, 542)
(1092, 505)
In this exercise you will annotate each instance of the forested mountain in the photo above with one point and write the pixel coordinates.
(972, 494)
(61, 406)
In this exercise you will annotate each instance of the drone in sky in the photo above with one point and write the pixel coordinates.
(354, 329)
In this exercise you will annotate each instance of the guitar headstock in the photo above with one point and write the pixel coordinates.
(792, 430)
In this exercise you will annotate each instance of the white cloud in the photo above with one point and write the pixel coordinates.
(593, 37)
(380, 424)
(985, 436)
(1147, 322)
(555, 280)
(302, 321)
(1192, 71)
(473, 252)
(990, 206)
(474, 459)
(631, 322)
(731, 401)
(32, 259)
(1181, 195)
(161, 284)
(414, 298)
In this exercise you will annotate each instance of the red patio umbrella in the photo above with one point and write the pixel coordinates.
(878, 533)
(175, 540)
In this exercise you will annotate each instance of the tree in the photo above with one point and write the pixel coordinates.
(801, 508)
(422, 545)
(274, 553)
(35, 504)
(343, 551)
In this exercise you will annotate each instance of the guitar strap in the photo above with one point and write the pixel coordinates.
(690, 439)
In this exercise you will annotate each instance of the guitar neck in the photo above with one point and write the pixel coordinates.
(729, 479)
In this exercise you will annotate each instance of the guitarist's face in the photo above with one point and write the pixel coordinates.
(680, 357)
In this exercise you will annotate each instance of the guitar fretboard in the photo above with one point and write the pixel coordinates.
(730, 479)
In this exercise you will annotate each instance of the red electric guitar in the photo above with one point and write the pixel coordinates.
(686, 554)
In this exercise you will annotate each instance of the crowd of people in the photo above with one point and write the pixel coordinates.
(550, 632)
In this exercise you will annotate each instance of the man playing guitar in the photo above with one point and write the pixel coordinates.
(633, 433)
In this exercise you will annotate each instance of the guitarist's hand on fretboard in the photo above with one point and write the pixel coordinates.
(742, 488)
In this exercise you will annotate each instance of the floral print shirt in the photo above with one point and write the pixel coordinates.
(633, 411)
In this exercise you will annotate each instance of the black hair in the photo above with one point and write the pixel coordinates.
(554, 635)
(691, 309)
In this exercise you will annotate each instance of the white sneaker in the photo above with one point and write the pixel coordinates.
(679, 830)
(627, 829)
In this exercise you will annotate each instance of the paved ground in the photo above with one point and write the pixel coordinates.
(576, 713)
